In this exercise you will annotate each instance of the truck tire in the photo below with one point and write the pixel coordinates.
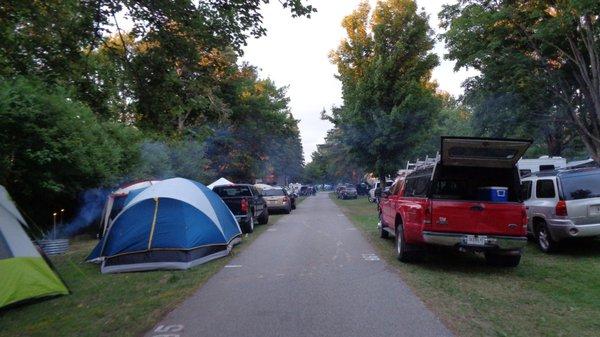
(288, 210)
(502, 260)
(403, 253)
(248, 226)
(263, 218)
(543, 237)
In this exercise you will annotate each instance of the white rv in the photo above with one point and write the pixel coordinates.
(543, 163)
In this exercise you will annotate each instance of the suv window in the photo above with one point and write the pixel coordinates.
(526, 190)
(544, 189)
(581, 186)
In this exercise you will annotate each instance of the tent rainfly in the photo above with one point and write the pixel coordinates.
(220, 182)
(173, 224)
(24, 273)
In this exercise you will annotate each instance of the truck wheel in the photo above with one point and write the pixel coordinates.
(543, 238)
(263, 218)
(288, 210)
(502, 260)
(402, 252)
(248, 227)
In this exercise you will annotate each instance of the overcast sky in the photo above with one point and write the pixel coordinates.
(295, 53)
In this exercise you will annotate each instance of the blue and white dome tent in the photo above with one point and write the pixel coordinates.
(174, 224)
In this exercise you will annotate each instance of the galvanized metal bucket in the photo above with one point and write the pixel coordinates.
(54, 247)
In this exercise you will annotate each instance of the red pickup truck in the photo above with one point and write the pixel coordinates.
(468, 199)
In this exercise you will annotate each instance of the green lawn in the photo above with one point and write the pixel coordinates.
(110, 305)
(546, 295)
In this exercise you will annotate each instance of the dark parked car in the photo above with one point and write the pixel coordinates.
(347, 192)
(246, 203)
(362, 189)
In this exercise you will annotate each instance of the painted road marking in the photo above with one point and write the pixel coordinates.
(167, 330)
(271, 230)
(350, 229)
(233, 266)
(370, 257)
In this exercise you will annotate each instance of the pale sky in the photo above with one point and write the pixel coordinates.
(295, 53)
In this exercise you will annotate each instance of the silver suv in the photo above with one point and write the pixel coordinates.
(562, 204)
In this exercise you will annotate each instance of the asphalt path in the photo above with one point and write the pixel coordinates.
(311, 274)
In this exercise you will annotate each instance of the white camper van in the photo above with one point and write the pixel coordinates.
(543, 163)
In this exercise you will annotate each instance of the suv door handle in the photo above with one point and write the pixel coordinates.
(478, 208)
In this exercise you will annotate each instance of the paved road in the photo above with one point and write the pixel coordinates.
(311, 274)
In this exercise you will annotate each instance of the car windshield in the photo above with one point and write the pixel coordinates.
(232, 191)
(273, 192)
(581, 186)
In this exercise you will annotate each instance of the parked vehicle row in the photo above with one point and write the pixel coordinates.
(252, 204)
(376, 190)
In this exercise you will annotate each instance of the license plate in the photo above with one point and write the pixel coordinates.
(476, 240)
(594, 210)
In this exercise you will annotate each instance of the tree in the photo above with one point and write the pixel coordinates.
(385, 66)
(558, 42)
(53, 147)
(454, 119)
(249, 142)
(170, 57)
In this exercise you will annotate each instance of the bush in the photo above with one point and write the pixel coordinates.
(52, 147)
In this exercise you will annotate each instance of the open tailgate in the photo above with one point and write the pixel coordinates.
(482, 152)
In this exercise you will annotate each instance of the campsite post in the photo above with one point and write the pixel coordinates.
(54, 226)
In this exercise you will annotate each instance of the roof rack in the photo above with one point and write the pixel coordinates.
(419, 164)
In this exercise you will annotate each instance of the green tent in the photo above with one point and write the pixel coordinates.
(24, 274)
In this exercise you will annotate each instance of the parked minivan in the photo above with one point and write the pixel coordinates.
(562, 204)
(469, 199)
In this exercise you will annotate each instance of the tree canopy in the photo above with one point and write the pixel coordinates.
(119, 90)
(385, 66)
(539, 64)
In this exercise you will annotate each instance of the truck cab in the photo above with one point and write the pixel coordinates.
(468, 199)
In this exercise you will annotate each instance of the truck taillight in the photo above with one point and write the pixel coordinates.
(561, 208)
(244, 206)
(285, 199)
(524, 219)
(428, 213)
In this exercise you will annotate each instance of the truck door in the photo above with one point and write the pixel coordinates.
(415, 204)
